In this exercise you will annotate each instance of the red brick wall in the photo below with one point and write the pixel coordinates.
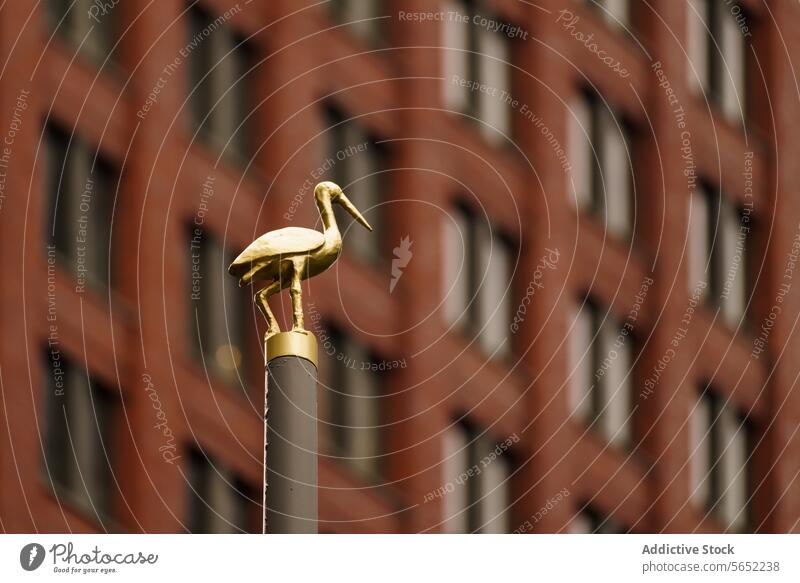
(141, 327)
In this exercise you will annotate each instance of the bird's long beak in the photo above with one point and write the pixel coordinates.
(348, 206)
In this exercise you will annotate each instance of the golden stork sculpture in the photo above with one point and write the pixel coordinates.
(288, 256)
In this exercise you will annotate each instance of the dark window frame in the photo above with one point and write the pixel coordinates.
(337, 121)
(105, 177)
(201, 329)
(201, 468)
(474, 454)
(203, 106)
(96, 495)
(338, 394)
(474, 222)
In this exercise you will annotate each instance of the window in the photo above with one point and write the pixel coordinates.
(601, 175)
(477, 54)
(590, 521)
(85, 23)
(217, 309)
(699, 242)
(615, 12)
(79, 445)
(354, 404)
(357, 163)
(219, 501)
(81, 188)
(476, 282)
(716, 32)
(364, 19)
(457, 268)
(719, 452)
(600, 385)
(717, 253)
(475, 482)
(220, 80)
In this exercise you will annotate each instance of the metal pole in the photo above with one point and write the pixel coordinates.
(290, 434)
(281, 259)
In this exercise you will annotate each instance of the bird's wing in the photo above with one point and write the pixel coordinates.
(286, 241)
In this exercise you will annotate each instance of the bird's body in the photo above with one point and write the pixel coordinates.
(287, 256)
(261, 260)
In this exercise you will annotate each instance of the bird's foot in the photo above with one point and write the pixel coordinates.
(271, 332)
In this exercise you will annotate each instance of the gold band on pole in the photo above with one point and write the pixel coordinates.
(301, 344)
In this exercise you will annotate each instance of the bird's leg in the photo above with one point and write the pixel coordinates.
(297, 296)
(261, 301)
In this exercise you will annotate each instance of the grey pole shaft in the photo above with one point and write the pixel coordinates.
(290, 462)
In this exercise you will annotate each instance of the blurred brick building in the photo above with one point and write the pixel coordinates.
(575, 313)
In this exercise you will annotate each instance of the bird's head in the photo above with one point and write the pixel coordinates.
(333, 193)
(329, 190)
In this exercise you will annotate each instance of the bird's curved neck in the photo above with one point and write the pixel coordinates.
(328, 219)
